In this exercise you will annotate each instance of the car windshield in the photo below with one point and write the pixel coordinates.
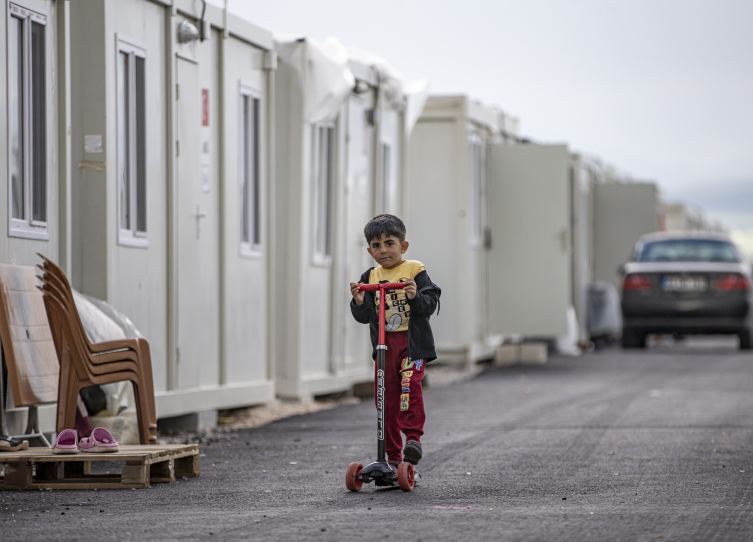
(687, 250)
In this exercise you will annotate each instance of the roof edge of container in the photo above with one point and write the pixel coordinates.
(463, 105)
(363, 72)
(236, 26)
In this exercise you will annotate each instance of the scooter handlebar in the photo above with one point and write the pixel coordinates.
(386, 286)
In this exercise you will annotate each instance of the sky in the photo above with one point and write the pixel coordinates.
(660, 89)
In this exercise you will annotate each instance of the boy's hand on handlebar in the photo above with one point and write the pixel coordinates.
(357, 296)
(410, 288)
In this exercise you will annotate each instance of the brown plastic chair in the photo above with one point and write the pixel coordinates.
(84, 364)
(27, 343)
(77, 371)
(103, 351)
(123, 352)
(60, 287)
(56, 285)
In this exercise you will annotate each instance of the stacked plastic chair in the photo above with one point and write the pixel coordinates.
(84, 364)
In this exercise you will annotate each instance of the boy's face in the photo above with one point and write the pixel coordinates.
(387, 251)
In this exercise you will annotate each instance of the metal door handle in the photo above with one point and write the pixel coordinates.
(199, 215)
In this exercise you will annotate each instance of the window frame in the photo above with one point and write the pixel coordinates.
(477, 154)
(323, 205)
(28, 227)
(131, 236)
(250, 162)
(387, 181)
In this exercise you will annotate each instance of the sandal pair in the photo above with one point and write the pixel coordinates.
(12, 444)
(100, 441)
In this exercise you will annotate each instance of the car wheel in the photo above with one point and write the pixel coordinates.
(633, 339)
(745, 339)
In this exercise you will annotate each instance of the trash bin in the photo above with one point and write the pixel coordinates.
(604, 316)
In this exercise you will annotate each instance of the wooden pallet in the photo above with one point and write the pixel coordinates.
(39, 468)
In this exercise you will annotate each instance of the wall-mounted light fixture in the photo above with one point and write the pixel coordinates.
(187, 32)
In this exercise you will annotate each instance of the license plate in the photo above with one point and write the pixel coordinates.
(679, 283)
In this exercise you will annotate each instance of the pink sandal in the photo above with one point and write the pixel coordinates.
(100, 441)
(66, 443)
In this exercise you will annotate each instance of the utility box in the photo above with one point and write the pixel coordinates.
(521, 353)
(507, 354)
(533, 353)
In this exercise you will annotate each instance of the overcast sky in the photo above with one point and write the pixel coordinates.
(661, 89)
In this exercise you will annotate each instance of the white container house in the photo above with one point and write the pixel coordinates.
(340, 160)
(683, 217)
(447, 218)
(173, 126)
(35, 144)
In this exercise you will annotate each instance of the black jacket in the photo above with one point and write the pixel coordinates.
(420, 337)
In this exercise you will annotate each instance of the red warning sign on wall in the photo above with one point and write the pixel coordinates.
(205, 107)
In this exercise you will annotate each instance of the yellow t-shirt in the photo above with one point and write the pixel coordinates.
(397, 310)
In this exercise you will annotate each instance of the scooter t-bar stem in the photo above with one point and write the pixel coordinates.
(381, 354)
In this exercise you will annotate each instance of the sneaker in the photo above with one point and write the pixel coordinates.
(394, 465)
(412, 452)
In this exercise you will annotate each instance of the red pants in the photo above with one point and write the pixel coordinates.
(403, 397)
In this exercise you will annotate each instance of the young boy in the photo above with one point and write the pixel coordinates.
(410, 343)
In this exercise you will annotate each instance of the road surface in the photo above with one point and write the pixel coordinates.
(612, 445)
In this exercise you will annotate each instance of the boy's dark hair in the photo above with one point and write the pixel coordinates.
(384, 225)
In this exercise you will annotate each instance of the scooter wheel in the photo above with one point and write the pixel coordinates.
(406, 476)
(354, 469)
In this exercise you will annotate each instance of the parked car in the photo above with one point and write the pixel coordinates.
(686, 283)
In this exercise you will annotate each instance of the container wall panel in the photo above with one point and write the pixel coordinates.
(137, 277)
(434, 221)
(246, 305)
(622, 214)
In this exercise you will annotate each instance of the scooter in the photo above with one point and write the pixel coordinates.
(379, 471)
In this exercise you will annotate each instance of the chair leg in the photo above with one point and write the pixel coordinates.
(63, 386)
(67, 410)
(146, 374)
(143, 413)
(69, 416)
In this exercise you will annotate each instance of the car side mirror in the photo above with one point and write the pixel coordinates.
(621, 270)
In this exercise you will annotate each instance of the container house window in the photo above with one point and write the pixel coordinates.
(477, 173)
(324, 173)
(250, 173)
(131, 144)
(388, 181)
(27, 123)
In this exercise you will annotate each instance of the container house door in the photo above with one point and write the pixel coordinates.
(529, 260)
(198, 258)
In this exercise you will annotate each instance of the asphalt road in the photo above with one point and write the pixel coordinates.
(612, 445)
